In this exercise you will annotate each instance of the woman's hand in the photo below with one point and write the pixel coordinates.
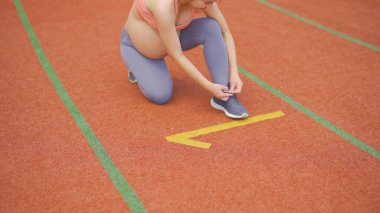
(219, 91)
(236, 84)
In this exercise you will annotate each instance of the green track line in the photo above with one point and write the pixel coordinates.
(370, 150)
(332, 31)
(117, 178)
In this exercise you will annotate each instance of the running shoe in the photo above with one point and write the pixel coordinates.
(232, 108)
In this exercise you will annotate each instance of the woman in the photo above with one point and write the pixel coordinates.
(157, 28)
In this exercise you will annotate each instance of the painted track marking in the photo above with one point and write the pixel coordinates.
(185, 137)
(363, 146)
(320, 26)
(117, 178)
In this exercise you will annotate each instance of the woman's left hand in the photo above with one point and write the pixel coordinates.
(236, 84)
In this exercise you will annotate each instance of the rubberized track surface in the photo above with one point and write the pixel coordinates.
(112, 155)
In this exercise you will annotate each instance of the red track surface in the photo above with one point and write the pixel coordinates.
(290, 163)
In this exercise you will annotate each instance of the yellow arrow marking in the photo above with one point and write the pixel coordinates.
(184, 138)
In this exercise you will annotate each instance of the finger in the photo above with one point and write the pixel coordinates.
(224, 98)
(224, 88)
(232, 87)
(227, 94)
(238, 88)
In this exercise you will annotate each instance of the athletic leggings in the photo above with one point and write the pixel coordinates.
(153, 76)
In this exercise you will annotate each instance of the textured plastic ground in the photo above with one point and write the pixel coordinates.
(290, 163)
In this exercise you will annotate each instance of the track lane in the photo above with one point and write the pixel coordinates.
(264, 168)
(46, 164)
(359, 19)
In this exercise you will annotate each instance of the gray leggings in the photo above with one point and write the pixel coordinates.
(153, 76)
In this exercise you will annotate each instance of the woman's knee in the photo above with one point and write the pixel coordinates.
(158, 96)
(161, 98)
(211, 26)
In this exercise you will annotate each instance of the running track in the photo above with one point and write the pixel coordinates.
(76, 136)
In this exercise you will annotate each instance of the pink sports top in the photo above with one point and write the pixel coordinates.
(149, 18)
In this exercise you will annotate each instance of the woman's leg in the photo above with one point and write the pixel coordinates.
(152, 75)
(207, 32)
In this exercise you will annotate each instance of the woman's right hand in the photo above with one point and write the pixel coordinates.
(219, 91)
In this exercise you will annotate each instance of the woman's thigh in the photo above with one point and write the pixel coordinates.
(152, 75)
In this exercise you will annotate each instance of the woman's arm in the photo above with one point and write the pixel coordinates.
(165, 18)
(214, 12)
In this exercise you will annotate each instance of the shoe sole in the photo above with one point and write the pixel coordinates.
(221, 108)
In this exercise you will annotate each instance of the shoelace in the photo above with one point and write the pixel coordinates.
(234, 100)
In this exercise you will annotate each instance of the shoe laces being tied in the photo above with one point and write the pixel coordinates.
(236, 106)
